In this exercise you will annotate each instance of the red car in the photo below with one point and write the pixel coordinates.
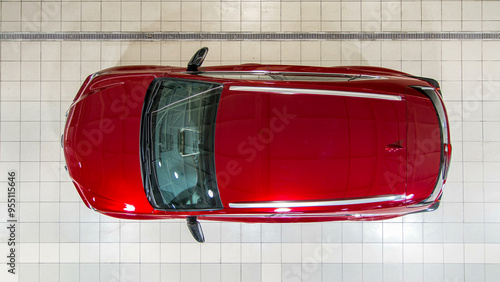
(257, 143)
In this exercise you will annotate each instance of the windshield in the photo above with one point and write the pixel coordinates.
(177, 140)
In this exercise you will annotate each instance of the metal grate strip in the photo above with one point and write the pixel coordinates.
(237, 36)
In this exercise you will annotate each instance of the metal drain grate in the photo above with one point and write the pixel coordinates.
(97, 36)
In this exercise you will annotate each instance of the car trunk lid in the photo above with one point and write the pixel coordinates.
(424, 146)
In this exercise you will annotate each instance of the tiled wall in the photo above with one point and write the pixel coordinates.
(257, 16)
(59, 239)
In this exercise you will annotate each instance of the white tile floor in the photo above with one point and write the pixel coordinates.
(59, 239)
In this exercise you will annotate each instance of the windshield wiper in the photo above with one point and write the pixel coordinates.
(146, 141)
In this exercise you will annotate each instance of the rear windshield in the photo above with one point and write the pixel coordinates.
(177, 140)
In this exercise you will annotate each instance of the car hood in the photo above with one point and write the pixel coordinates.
(101, 143)
(289, 146)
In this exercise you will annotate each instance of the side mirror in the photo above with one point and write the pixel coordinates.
(195, 228)
(197, 59)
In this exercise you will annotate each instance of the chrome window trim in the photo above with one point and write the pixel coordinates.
(304, 215)
(351, 76)
(280, 90)
(279, 75)
(253, 72)
(256, 215)
(301, 215)
(327, 203)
